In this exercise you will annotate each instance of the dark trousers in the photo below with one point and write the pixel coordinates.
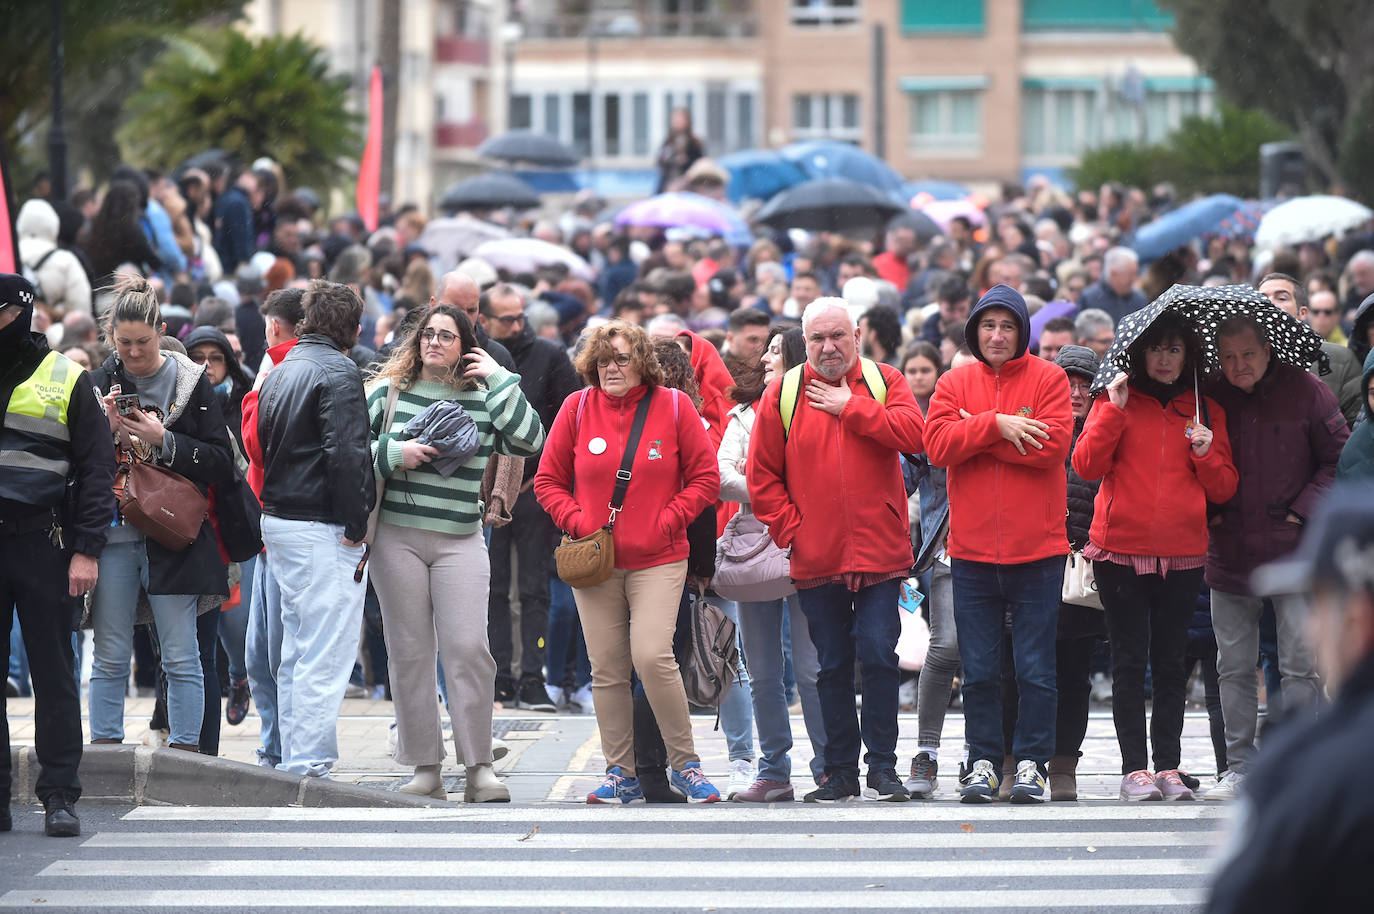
(1073, 683)
(33, 579)
(845, 624)
(1147, 623)
(207, 637)
(984, 595)
(1203, 652)
(533, 536)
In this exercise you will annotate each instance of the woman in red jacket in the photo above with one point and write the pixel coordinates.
(629, 619)
(1162, 454)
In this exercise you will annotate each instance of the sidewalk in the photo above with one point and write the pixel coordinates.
(556, 757)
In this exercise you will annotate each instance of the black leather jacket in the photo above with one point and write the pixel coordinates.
(313, 428)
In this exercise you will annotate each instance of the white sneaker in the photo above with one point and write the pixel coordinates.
(741, 777)
(556, 695)
(1228, 788)
(906, 696)
(581, 700)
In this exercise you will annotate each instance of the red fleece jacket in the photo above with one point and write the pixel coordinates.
(675, 475)
(1004, 508)
(832, 491)
(1154, 494)
(252, 447)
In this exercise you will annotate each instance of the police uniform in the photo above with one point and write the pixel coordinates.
(56, 470)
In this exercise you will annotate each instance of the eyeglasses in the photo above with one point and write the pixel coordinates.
(622, 360)
(445, 337)
(1080, 387)
(200, 358)
(1324, 312)
(508, 320)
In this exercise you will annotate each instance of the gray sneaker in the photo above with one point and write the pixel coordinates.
(1228, 788)
(923, 782)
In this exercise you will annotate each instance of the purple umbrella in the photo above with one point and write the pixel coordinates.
(1049, 312)
(687, 210)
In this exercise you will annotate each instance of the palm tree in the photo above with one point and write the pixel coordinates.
(272, 97)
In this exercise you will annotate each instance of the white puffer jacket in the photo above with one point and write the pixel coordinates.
(62, 281)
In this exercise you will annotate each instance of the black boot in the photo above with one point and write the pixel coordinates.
(654, 783)
(6, 822)
(60, 819)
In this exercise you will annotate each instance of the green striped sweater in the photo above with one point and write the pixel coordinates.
(422, 498)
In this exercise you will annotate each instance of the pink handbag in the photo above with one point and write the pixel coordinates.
(750, 567)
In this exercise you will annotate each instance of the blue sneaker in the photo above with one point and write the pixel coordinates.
(692, 784)
(617, 788)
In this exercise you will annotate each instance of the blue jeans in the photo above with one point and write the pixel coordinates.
(233, 623)
(321, 618)
(737, 710)
(984, 594)
(845, 624)
(563, 638)
(262, 658)
(19, 658)
(114, 606)
(762, 631)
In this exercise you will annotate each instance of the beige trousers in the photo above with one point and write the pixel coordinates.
(433, 591)
(628, 622)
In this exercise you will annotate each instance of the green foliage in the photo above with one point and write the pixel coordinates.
(107, 43)
(1305, 62)
(271, 97)
(1205, 155)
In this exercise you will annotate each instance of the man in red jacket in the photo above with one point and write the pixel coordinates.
(1002, 426)
(830, 490)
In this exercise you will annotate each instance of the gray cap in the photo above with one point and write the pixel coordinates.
(1079, 360)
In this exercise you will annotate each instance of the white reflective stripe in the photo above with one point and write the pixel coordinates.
(49, 426)
(23, 460)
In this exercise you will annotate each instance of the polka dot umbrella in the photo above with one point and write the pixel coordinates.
(1206, 308)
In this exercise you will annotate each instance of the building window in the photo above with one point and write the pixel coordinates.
(553, 104)
(826, 116)
(521, 111)
(611, 111)
(813, 13)
(639, 105)
(715, 118)
(947, 121)
(582, 123)
(744, 116)
(942, 15)
(1063, 118)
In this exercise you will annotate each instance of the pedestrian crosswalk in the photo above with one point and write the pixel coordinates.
(865, 856)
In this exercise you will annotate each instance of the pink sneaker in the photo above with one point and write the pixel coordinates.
(765, 791)
(1171, 786)
(1140, 785)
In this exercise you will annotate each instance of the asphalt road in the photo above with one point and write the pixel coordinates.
(1095, 855)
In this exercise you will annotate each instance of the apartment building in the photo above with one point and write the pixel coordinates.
(972, 90)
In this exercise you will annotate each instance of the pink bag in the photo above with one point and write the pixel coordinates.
(750, 568)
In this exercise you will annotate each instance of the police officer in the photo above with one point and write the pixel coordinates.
(56, 471)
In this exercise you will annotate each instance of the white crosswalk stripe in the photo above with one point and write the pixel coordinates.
(941, 856)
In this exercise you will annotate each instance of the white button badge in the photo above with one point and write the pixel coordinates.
(597, 445)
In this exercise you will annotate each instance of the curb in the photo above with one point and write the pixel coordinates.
(172, 777)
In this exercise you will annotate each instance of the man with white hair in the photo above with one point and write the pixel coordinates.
(667, 326)
(1095, 329)
(825, 476)
(1361, 269)
(1116, 292)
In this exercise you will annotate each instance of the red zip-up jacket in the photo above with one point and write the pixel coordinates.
(674, 474)
(252, 447)
(1004, 508)
(1154, 494)
(832, 491)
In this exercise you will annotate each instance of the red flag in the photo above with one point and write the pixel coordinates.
(9, 250)
(370, 171)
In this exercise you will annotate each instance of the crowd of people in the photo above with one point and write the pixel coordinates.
(384, 449)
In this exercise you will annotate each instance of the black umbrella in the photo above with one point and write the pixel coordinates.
(489, 191)
(830, 205)
(529, 146)
(1206, 308)
(925, 227)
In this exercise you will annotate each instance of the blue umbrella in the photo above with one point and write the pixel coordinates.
(760, 173)
(938, 190)
(832, 159)
(1189, 221)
